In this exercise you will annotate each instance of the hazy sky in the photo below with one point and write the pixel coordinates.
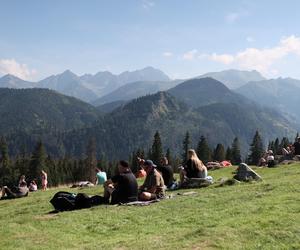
(183, 38)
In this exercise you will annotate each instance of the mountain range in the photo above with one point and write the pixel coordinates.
(209, 108)
(281, 94)
(87, 87)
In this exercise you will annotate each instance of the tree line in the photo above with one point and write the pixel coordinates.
(69, 169)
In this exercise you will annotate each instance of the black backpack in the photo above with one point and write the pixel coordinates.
(63, 201)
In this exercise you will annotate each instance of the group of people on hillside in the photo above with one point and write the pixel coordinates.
(23, 188)
(123, 187)
(268, 159)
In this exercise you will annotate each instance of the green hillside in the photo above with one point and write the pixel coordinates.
(262, 215)
(42, 109)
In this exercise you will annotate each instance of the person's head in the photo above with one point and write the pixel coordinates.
(22, 178)
(33, 182)
(23, 184)
(149, 166)
(193, 156)
(270, 152)
(98, 170)
(164, 161)
(123, 166)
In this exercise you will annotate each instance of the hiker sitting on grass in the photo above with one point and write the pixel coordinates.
(167, 173)
(194, 168)
(154, 186)
(296, 147)
(33, 186)
(271, 159)
(101, 177)
(15, 192)
(122, 188)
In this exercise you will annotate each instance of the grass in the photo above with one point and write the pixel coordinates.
(264, 215)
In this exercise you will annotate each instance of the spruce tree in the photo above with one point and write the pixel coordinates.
(256, 149)
(169, 156)
(276, 147)
(156, 150)
(5, 171)
(236, 152)
(219, 153)
(228, 154)
(185, 147)
(91, 160)
(203, 150)
(37, 161)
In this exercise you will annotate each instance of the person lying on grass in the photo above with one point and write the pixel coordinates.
(15, 192)
(123, 187)
(194, 168)
(154, 186)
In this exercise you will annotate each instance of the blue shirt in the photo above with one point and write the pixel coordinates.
(102, 178)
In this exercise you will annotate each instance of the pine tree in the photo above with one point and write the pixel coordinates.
(283, 144)
(219, 153)
(276, 147)
(256, 149)
(37, 161)
(236, 152)
(5, 171)
(185, 147)
(156, 150)
(169, 156)
(228, 154)
(91, 161)
(297, 136)
(203, 150)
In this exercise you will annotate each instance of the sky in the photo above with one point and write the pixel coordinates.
(183, 38)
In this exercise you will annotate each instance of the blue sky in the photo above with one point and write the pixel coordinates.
(183, 38)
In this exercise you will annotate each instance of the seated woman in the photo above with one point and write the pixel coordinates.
(194, 167)
(123, 187)
(15, 192)
(33, 186)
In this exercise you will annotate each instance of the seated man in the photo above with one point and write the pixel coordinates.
(122, 188)
(15, 192)
(296, 147)
(167, 173)
(101, 177)
(154, 186)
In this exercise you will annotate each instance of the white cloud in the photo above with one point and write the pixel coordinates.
(147, 4)
(11, 66)
(167, 54)
(190, 55)
(224, 58)
(260, 59)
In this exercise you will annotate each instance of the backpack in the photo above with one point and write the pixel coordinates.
(63, 201)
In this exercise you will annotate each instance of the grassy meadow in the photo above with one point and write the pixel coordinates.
(263, 215)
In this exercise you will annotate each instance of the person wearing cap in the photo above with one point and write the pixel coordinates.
(296, 147)
(154, 186)
(123, 187)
